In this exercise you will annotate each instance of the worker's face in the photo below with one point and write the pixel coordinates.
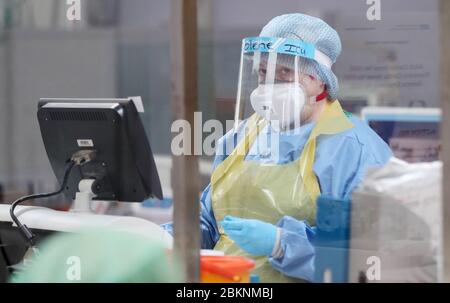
(312, 86)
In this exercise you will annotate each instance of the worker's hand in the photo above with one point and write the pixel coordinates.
(254, 236)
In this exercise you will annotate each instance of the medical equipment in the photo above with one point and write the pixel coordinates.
(412, 133)
(105, 141)
(123, 168)
(389, 232)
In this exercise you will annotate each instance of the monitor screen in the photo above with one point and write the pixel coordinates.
(412, 134)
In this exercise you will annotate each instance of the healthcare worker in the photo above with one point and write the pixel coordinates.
(292, 141)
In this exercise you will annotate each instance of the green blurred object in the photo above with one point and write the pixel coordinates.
(98, 256)
(8, 17)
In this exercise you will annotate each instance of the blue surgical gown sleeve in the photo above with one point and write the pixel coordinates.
(340, 164)
(343, 159)
(208, 225)
(297, 258)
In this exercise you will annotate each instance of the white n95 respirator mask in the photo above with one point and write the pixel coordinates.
(281, 104)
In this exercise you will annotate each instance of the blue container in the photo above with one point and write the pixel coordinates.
(332, 240)
(155, 203)
(254, 278)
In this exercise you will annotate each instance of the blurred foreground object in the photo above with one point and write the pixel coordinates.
(225, 269)
(396, 219)
(98, 256)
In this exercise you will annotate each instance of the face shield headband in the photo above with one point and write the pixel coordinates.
(285, 46)
(272, 70)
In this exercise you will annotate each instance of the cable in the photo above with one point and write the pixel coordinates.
(79, 158)
(26, 232)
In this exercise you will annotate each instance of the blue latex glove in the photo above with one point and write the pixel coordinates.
(254, 236)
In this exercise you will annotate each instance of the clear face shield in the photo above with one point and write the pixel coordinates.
(274, 82)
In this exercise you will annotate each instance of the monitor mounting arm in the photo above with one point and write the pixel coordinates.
(84, 196)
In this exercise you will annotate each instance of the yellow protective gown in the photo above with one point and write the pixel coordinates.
(267, 192)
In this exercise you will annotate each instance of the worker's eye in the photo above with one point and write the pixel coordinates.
(285, 74)
(285, 71)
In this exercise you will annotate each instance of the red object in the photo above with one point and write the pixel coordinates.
(323, 95)
(226, 266)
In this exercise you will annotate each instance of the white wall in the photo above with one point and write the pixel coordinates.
(53, 64)
(234, 19)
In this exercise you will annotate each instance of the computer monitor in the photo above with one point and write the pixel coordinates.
(111, 131)
(412, 133)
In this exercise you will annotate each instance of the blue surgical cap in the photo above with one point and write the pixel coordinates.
(312, 30)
